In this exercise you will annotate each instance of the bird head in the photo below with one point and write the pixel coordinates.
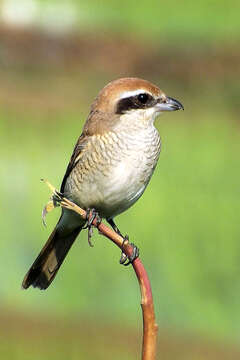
(129, 99)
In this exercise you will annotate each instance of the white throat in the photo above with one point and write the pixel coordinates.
(137, 119)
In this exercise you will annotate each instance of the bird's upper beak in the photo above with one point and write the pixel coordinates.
(169, 104)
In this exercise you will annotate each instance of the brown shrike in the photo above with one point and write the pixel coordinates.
(110, 167)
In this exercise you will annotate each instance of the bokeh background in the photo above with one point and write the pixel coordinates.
(54, 58)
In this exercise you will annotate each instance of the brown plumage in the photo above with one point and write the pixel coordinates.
(110, 167)
(46, 265)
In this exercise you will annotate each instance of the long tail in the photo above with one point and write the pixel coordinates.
(46, 265)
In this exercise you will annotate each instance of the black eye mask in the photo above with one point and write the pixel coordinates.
(141, 101)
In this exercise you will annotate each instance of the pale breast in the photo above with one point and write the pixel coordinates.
(114, 171)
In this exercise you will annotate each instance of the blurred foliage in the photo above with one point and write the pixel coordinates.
(187, 222)
(26, 337)
(207, 21)
(172, 22)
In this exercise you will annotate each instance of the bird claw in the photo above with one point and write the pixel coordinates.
(91, 215)
(131, 258)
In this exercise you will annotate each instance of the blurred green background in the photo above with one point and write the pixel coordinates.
(54, 58)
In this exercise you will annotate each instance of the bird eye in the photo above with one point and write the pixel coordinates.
(143, 98)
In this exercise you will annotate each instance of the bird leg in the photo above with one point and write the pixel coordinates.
(131, 258)
(124, 257)
(91, 214)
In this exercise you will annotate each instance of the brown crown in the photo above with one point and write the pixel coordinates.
(107, 97)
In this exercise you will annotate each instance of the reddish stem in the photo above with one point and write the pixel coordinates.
(150, 327)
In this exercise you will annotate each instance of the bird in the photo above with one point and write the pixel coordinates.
(110, 167)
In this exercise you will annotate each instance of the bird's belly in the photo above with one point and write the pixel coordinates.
(111, 184)
(114, 191)
(123, 187)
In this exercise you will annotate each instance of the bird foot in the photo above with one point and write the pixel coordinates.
(131, 258)
(91, 215)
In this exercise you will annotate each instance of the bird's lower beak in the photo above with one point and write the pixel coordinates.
(169, 104)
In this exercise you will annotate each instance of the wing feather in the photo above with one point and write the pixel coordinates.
(76, 156)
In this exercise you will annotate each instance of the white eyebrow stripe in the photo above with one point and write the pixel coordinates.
(131, 93)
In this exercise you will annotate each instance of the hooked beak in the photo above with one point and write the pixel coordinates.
(168, 104)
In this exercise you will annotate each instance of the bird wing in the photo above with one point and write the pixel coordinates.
(76, 155)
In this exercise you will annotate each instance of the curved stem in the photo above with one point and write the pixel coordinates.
(150, 327)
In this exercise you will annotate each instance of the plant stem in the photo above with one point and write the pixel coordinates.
(150, 327)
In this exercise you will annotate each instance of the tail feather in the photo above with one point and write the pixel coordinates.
(46, 265)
